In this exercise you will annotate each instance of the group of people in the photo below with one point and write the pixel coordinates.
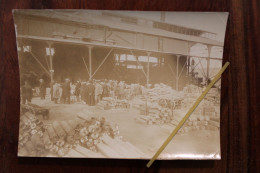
(61, 92)
(89, 92)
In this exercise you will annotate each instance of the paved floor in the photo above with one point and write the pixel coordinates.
(147, 138)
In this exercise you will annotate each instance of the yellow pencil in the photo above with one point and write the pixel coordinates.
(174, 132)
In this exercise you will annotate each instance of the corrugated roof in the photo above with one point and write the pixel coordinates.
(94, 18)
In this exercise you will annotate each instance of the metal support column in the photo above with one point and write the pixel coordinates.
(105, 35)
(46, 70)
(135, 39)
(89, 60)
(177, 73)
(188, 64)
(188, 70)
(138, 63)
(147, 80)
(148, 70)
(208, 63)
(102, 62)
(51, 62)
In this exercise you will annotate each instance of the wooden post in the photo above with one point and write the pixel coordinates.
(90, 61)
(208, 63)
(51, 62)
(188, 71)
(102, 62)
(177, 73)
(105, 35)
(147, 80)
(148, 69)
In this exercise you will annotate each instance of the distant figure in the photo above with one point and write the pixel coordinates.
(121, 90)
(66, 91)
(98, 92)
(86, 93)
(209, 81)
(83, 90)
(51, 91)
(117, 90)
(91, 92)
(77, 90)
(55, 92)
(26, 93)
(42, 89)
(105, 89)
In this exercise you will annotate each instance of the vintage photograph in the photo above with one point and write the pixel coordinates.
(115, 84)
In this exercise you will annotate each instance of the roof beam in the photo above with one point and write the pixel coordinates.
(78, 42)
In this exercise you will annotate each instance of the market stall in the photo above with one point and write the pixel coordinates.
(85, 136)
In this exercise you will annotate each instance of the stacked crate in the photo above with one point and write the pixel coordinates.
(109, 102)
(205, 118)
(154, 115)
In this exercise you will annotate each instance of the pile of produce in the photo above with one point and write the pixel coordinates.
(163, 95)
(171, 104)
(205, 118)
(31, 136)
(35, 109)
(162, 91)
(89, 132)
(198, 124)
(155, 115)
(109, 103)
(59, 138)
(213, 96)
(192, 89)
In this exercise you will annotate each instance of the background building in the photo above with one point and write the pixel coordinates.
(79, 45)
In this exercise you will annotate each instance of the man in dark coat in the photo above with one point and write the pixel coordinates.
(77, 90)
(106, 91)
(26, 93)
(91, 91)
(66, 91)
(86, 92)
(42, 89)
(82, 91)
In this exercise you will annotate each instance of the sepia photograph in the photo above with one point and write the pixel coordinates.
(115, 84)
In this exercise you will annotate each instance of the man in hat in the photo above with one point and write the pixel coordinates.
(42, 89)
(86, 93)
(56, 92)
(98, 92)
(91, 92)
(26, 93)
(66, 91)
(77, 90)
(83, 90)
